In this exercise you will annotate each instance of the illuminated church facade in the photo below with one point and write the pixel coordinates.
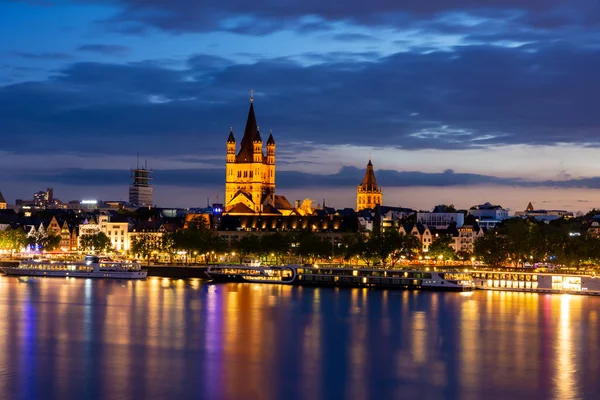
(368, 193)
(250, 173)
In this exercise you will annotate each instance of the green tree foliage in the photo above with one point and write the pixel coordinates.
(97, 243)
(441, 247)
(50, 242)
(13, 239)
(145, 244)
(492, 249)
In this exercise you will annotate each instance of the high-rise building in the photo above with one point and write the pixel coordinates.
(250, 174)
(141, 193)
(368, 193)
(41, 200)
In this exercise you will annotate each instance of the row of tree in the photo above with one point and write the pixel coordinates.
(518, 242)
(16, 239)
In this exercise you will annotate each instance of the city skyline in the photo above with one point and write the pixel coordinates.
(454, 104)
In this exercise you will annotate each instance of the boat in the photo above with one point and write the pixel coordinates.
(92, 267)
(538, 282)
(251, 273)
(383, 278)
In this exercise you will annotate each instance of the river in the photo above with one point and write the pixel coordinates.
(175, 339)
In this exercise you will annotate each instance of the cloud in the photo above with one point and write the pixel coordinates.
(45, 56)
(346, 177)
(474, 97)
(106, 49)
(265, 16)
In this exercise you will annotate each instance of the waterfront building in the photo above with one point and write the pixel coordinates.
(465, 236)
(141, 192)
(543, 215)
(424, 233)
(441, 218)
(488, 215)
(368, 193)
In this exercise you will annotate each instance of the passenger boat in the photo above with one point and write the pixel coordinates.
(251, 273)
(540, 282)
(383, 278)
(92, 267)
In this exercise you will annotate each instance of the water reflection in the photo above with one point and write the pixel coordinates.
(163, 338)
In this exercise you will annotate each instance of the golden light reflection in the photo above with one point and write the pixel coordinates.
(564, 379)
(419, 337)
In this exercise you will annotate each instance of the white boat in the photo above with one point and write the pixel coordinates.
(539, 282)
(251, 273)
(93, 267)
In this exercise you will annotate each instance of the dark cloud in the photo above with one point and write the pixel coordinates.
(107, 49)
(45, 56)
(268, 15)
(346, 177)
(474, 97)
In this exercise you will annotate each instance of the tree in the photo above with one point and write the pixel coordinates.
(405, 246)
(246, 245)
(144, 244)
(50, 242)
(492, 249)
(96, 243)
(13, 239)
(312, 247)
(441, 248)
(277, 244)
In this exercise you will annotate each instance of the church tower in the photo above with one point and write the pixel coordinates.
(250, 175)
(368, 194)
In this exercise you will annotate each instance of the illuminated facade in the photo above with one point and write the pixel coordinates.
(368, 193)
(250, 174)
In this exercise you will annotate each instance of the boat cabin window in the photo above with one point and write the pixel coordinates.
(92, 260)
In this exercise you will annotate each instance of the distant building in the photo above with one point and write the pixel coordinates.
(140, 190)
(488, 215)
(441, 218)
(2, 202)
(368, 193)
(543, 215)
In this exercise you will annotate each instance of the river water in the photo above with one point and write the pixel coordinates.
(175, 339)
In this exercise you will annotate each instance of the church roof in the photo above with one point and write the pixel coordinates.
(369, 182)
(240, 208)
(529, 207)
(2, 198)
(271, 140)
(269, 209)
(281, 203)
(251, 135)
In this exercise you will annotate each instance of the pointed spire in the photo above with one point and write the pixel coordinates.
(231, 138)
(257, 138)
(369, 182)
(250, 134)
(270, 141)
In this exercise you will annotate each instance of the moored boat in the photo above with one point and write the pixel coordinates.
(539, 282)
(249, 273)
(92, 267)
(383, 278)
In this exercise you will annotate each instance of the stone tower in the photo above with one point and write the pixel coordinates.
(250, 175)
(368, 193)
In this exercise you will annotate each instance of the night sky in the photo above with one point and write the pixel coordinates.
(456, 101)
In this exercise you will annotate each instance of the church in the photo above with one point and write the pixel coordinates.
(368, 194)
(250, 174)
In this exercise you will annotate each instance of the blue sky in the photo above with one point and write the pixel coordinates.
(456, 101)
